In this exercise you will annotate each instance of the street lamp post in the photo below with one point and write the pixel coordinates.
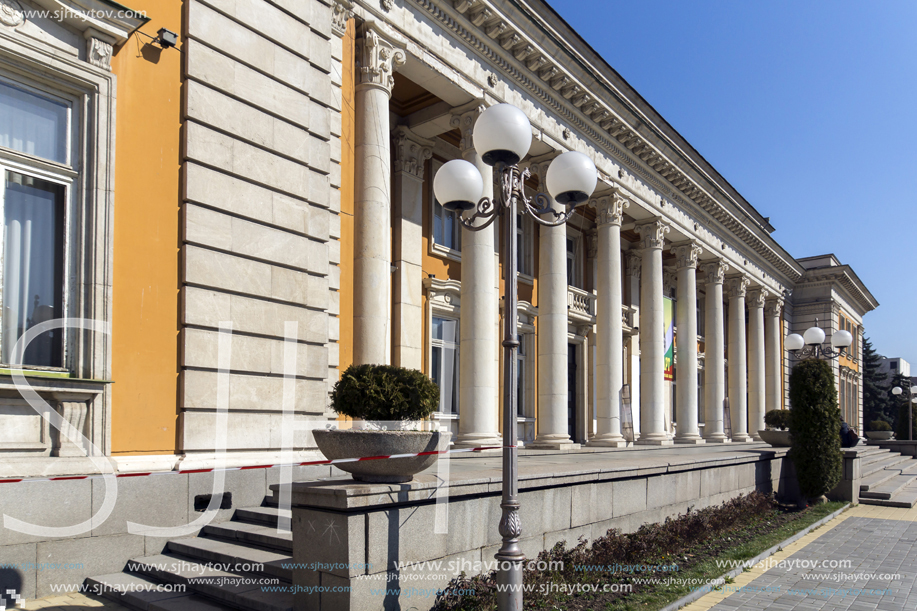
(897, 390)
(503, 136)
(809, 345)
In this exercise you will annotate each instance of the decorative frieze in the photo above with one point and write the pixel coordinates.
(380, 54)
(687, 254)
(411, 151)
(98, 53)
(652, 233)
(341, 13)
(11, 13)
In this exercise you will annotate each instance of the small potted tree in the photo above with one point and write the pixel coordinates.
(391, 403)
(777, 432)
(880, 430)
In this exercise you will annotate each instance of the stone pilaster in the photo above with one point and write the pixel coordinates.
(738, 374)
(755, 301)
(378, 54)
(552, 331)
(773, 354)
(652, 335)
(478, 384)
(714, 353)
(687, 254)
(411, 153)
(609, 368)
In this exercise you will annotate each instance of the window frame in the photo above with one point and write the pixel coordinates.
(440, 343)
(577, 265)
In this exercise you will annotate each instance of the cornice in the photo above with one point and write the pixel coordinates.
(484, 27)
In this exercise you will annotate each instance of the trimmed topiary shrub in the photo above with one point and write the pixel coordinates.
(778, 419)
(815, 428)
(384, 392)
(880, 425)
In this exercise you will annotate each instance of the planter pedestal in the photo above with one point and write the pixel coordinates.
(361, 443)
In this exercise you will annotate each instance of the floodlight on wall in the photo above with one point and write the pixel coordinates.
(811, 344)
(166, 38)
(502, 136)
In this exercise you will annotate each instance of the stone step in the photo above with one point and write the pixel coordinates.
(235, 589)
(259, 534)
(883, 463)
(138, 592)
(877, 478)
(261, 515)
(910, 468)
(888, 489)
(240, 556)
(867, 461)
(906, 498)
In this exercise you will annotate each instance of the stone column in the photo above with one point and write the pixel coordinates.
(478, 388)
(552, 331)
(756, 374)
(411, 153)
(738, 380)
(652, 335)
(609, 366)
(686, 342)
(773, 354)
(714, 348)
(378, 54)
(632, 271)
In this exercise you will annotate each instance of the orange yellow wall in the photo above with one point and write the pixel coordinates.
(146, 240)
(347, 168)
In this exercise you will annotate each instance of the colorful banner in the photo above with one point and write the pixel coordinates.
(668, 318)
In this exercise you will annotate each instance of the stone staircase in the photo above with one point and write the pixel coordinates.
(212, 566)
(887, 478)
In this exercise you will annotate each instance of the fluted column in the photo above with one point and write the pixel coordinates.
(652, 335)
(714, 348)
(756, 374)
(379, 54)
(773, 362)
(478, 414)
(411, 152)
(609, 367)
(738, 373)
(552, 332)
(686, 343)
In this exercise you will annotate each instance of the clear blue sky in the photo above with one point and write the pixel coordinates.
(808, 108)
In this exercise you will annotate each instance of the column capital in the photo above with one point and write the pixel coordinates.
(773, 307)
(736, 286)
(652, 233)
(687, 253)
(669, 279)
(463, 118)
(539, 165)
(592, 243)
(379, 52)
(757, 297)
(633, 263)
(715, 271)
(410, 151)
(609, 208)
(341, 12)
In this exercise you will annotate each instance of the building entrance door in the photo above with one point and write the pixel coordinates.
(571, 391)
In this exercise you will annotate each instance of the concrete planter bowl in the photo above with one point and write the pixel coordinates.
(777, 439)
(880, 435)
(360, 443)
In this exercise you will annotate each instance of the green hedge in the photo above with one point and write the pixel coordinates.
(880, 425)
(815, 428)
(384, 392)
(778, 419)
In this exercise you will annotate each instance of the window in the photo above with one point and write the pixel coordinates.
(574, 271)
(33, 202)
(893, 365)
(447, 229)
(445, 362)
(524, 256)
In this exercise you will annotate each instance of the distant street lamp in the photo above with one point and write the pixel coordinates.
(897, 390)
(502, 136)
(809, 345)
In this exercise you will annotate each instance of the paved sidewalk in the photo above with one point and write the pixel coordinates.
(880, 544)
(73, 600)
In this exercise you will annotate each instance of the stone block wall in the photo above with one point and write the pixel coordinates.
(261, 222)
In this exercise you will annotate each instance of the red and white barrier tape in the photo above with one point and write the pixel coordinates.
(212, 470)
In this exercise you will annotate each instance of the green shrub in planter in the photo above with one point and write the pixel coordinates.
(778, 419)
(384, 392)
(815, 428)
(880, 425)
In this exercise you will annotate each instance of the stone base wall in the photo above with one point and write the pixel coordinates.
(362, 540)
